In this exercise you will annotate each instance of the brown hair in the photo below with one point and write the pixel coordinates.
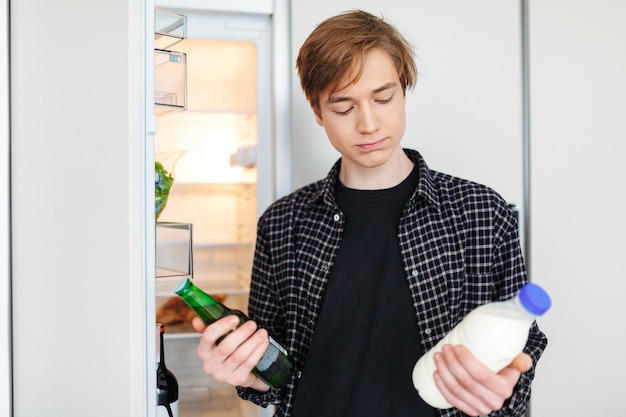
(340, 44)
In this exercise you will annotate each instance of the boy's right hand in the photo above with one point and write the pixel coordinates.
(237, 354)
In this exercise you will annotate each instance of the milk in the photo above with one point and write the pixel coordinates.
(495, 333)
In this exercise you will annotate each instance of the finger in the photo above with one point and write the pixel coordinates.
(220, 328)
(197, 324)
(455, 402)
(237, 367)
(229, 337)
(460, 378)
(207, 350)
(492, 389)
(448, 386)
(248, 355)
(232, 337)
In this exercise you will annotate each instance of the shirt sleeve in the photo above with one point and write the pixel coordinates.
(517, 404)
(262, 308)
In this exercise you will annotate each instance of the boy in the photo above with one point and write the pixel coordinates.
(362, 272)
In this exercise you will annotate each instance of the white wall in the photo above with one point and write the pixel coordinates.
(578, 198)
(464, 115)
(78, 208)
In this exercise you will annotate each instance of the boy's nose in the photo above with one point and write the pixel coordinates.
(367, 120)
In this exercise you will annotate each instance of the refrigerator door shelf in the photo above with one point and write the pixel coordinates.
(169, 28)
(170, 81)
(174, 249)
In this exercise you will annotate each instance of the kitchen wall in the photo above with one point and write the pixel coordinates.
(465, 116)
(578, 148)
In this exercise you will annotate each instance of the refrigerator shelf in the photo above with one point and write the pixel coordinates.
(224, 285)
(214, 402)
(232, 185)
(170, 81)
(224, 245)
(174, 250)
(227, 285)
(168, 273)
(177, 334)
(169, 28)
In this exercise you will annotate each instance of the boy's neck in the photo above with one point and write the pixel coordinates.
(384, 176)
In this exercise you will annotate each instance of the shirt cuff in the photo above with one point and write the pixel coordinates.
(263, 399)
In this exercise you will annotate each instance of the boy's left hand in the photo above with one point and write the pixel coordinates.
(472, 388)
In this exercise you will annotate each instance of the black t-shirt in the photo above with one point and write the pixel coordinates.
(366, 342)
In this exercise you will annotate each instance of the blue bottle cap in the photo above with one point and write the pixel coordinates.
(535, 299)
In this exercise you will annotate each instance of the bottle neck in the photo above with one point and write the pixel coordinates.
(161, 357)
(519, 306)
(207, 308)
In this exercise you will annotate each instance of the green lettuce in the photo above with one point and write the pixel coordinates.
(163, 181)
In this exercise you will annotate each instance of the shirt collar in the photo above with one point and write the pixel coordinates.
(426, 187)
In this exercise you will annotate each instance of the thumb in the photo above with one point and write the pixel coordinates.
(522, 362)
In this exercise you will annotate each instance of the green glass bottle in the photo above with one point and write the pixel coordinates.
(274, 368)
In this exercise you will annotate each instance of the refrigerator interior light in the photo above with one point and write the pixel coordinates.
(210, 140)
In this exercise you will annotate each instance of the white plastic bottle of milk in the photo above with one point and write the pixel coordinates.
(495, 333)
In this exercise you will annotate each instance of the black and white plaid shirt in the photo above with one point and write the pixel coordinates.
(460, 249)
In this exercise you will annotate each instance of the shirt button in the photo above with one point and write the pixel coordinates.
(428, 331)
(336, 217)
(414, 272)
(324, 267)
(299, 374)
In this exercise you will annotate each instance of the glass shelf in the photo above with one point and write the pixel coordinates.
(169, 28)
(174, 250)
(170, 81)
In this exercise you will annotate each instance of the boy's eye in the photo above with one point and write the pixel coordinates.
(342, 112)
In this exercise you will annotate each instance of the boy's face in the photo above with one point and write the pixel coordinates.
(366, 120)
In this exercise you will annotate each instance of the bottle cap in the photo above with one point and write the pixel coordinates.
(182, 285)
(535, 299)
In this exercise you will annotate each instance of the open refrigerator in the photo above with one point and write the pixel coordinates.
(216, 133)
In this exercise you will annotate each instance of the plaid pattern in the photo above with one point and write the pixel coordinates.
(460, 249)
